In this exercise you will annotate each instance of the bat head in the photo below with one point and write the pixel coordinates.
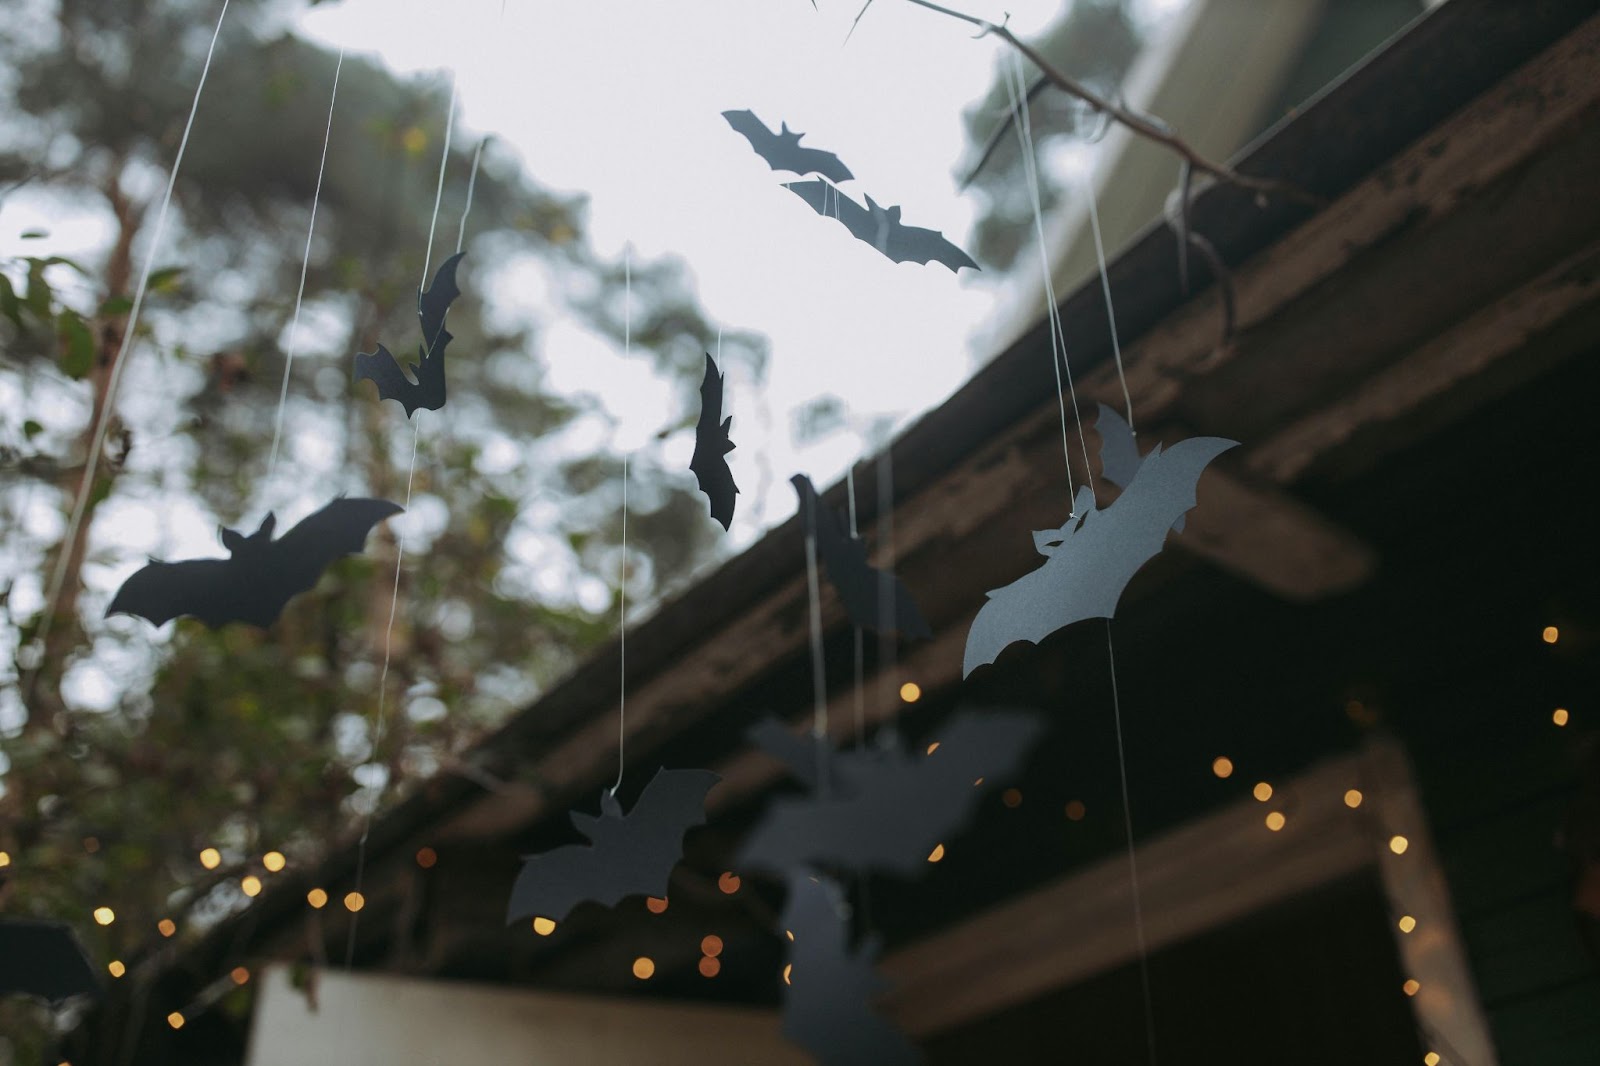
(727, 445)
(892, 214)
(236, 542)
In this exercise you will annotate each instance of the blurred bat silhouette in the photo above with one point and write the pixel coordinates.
(629, 855)
(782, 150)
(711, 444)
(260, 575)
(43, 959)
(885, 810)
(1091, 559)
(881, 227)
(380, 367)
(827, 1001)
(874, 599)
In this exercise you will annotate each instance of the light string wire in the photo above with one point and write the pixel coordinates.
(622, 576)
(380, 716)
(1015, 82)
(97, 444)
(305, 265)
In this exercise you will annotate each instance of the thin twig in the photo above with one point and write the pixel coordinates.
(1139, 124)
(1004, 128)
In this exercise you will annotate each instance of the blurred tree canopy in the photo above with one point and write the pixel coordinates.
(126, 751)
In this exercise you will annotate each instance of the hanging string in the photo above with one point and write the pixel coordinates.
(438, 195)
(472, 186)
(622, 578)
(819, 681)
(1105, 287)
(860, 636)
(887, 651)
(305, 265)
(97, 444)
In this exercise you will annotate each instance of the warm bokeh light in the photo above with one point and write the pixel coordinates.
(728, 882)
(116, 968)
(167, 926)
(1411, 987)
(1222, 766)
(656, 904)
(937, 853)
(211, 858)
(1399, 844)
(933, 747)
(104, 915)
(427, 858)
(1352, 798)
(711, 945)
(274, 861)
(644, 967)
(1551, 634)
(250, 885)
(1262, 791)
(1561, 716)
(175, 1019)
(317, 898)
(1406, 923)
(543, 926)
(787, 970)
(1076, 810)
(5, 859)
(789, 933)
(239, 975)
(354, 901)
(710, 967)
(1431, 1059)
(911, 692)
(91, 844)
(1012, 798)
(1275, 821)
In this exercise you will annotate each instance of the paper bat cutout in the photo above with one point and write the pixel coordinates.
(827, 1003)
(711, 443)
(380, 367)
(43, 959)
(629, 855)
(260, 575)
(782, 150)
(881, 227)
(886, 810)
(874, 599)
(1119, 453)
(1091, 559)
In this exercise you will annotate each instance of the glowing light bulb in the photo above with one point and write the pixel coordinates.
(1262, 791)
(656, 904)
(5, 859)
(1076, 810)
(1431, 1059)
(1560, 717)
(1011, 798)
(274, 861)
(354, 901)
(911, 692)
(1551, 634)
(728, 882)
(1352, 798)
(937, 853)
(644, 967)
(1411, 987)
(787, 971)
(239, 975)
(250, 885)
(1222, 766)
(175, 1019)
(1275, 821)
(711, 945)
(427, 858)
(116, 968)
(317, 898)
(211, 858)
(1399, 844)
(543, 926)
(104, 915)
(167, 926)
(1406, 923)
(710, 967)
(933, 747)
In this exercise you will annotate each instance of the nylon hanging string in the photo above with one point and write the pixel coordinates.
(1105, 288)
(622, 578)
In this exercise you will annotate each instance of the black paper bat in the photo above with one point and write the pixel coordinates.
(711, 444)
(259, 576)
(881, 227)
(886, 810)
(629, 855)
(43, 959)
(1091, 559)
(782, 151)
(827, 1002)
(874, 599)
(380, 367)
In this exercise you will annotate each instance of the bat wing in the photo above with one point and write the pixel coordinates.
(784, 153)
(753, 130)
(816, 161)
(1084, 576)
(434, 303)
(380, 368)
(44, 959)
(914, 244)
(798, 754)
(711, 444)
(671, 804)
(1119, 452)
(875, 599)
(829, 202)
(162, 591)
(299, 557)
(551, 884)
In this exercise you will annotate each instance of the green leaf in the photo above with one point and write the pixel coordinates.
(31, 429)
(117, 305)
(10, 306)
(77, 344)
(37, 298)
(33, 234)
(165, 279)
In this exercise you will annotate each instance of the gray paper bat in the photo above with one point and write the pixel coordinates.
(881, 227)
(1090, 560)
(783, 150)
(1119, 452)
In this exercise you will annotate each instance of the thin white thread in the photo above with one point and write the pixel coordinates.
(114, 381)
(472, 187)
(1105, 287)
(1133, 859)
(438, 195)
(305, 265)
(819, 701)
(886, 641)
(622, 578)
(1058, 354)
(860, 636)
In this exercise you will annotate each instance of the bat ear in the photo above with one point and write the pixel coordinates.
(231, 538)
(609, 806)
(268, 524)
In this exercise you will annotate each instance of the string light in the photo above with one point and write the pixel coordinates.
(1411, 987)
(274, 861)
(656, 904)
(1076, 810)
(1012, 798)
(354, 901)
(644, 967)
(239, 975)
(728, 882)
(1222, 766)
(104, 915)
(167, 926)
(116, 968)
(933, 747)
(1551, 634)
(211, 858)
(1431, 1059)
(1262, 791)
(1406, 923)
(787, 971)
(5, 859)
(427, 857)
(910, 692)
(937, 853)
(175, 1019)
(1275, 821)
(317, 898)
(543, 926)
(1352, 798)
(1399, 844)
(250, 885)
(711, 945)
(710, 967)
(1560, 717)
